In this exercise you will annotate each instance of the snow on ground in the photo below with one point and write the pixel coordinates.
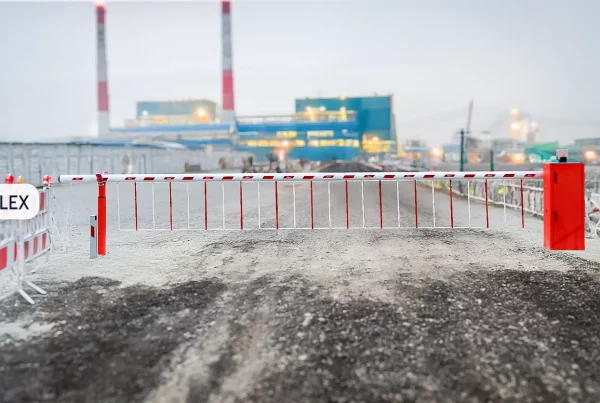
(403, 314)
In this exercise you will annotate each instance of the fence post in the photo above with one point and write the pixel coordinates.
(93, 237)
(101, 215)
(564, 204)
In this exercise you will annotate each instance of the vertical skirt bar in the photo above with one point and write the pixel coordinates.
(522, 207)
(380, 207)
(187, 189)
(171, 205)
(504, 200)
(153, 209)
(312, 209)
(451, 207)
(118, 207)
(433, 201)
(362, 200)
(398, 200)
(469, 201)
(135, 202)
(223, 202)
(276, 206)
(328, 201)
(205, 206)
(294, 201)
(487, 216)
(347, 210)
(241, 207)
(416, 205)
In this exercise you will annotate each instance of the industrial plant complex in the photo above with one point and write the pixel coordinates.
(316, 129)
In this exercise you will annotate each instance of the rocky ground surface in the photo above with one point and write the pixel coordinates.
(393, 315)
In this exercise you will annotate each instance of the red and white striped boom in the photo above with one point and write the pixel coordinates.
(295, 177)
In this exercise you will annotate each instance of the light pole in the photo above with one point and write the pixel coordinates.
(462, 150)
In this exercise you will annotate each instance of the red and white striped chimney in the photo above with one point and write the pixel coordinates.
(103, 117)
(228, 100)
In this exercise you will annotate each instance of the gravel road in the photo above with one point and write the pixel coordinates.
(360, 315)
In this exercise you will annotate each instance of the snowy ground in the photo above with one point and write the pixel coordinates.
(469, 315)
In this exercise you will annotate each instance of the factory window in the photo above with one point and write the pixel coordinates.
(286, 134)
(299, 143)
(313, 143)
(319, 133)
(273, 143)
(251, 143)
(327, 143)
(263, 143)
(341, 143)
(356, 143)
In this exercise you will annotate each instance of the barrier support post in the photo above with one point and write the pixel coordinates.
(564, 204)
(101, 233)
(93, 237)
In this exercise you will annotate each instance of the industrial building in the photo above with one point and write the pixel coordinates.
(373, 115)
(321, 129)
(316, 129)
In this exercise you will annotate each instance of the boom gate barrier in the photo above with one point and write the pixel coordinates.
(564, 197)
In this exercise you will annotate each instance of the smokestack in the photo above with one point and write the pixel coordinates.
(103, 118)
(228, 103)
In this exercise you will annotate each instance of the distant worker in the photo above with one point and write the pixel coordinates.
(272, 159)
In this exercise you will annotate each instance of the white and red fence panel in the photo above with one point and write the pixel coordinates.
(316, 201)
(10, 270)
(25, 246)
(205, 201)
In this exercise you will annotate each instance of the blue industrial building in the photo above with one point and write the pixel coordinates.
(374, 115)
(319, 140)
(321, 129)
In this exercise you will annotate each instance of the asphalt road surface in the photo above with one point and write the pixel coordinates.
(359, 315)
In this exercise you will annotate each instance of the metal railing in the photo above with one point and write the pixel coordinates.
(36, 160)
(208, 193)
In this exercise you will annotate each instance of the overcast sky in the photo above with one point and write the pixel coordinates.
(542, 56)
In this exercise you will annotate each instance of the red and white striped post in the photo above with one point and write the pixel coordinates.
(93, 236)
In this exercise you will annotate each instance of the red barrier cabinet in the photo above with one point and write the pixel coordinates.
(564, 206)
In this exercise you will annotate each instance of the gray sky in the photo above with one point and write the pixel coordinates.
(433, 55)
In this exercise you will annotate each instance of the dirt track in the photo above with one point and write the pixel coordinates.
(344, 316)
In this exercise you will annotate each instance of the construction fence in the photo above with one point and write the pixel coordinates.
(528, 197)
(33, 161)
(25, 247)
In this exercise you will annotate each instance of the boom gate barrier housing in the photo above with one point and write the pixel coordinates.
(564, 225)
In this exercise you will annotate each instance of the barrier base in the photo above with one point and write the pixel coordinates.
(26, 296)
